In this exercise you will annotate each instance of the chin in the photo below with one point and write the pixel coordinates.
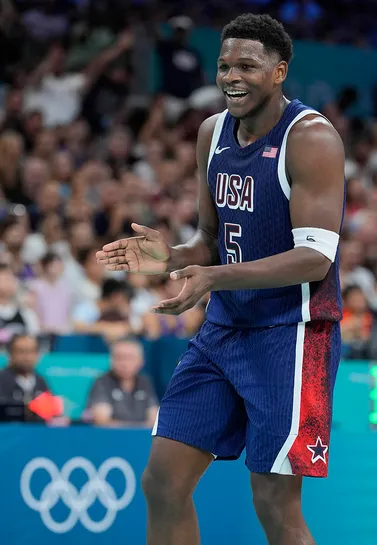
(240, 114)
(247, 110)
(243, 112)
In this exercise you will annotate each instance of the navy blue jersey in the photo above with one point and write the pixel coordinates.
(250, 189)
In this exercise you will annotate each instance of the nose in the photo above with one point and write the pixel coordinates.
(232, 76)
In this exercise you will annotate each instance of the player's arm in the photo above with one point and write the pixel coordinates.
(315, 165)
(201, 249)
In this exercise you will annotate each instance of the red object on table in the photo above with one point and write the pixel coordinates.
(46, 406)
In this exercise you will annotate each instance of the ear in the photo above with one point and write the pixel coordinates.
(281, 71)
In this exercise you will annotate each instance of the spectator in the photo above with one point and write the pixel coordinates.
(49, 201)
(356, 325)
(181, 68)
(50, 238)
(122, 397)
(89, 287)
(109, 316)
(53, 297)
(185, 153)
(62, 171)
(13, 236)
(32, 126)
(58, 94)
(12, 120)
(45, 144)
(11, 149)
(118, 151)
(35, 175)
(76, 141)
(52, 230)
(352, 273)
(147, 167)
(110, 199)
(19, 382)
(109, 91)
(80, 238)
(15, 318)
(185, 218)
(356, 196)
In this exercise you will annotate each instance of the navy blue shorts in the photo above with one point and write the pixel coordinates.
(269, 390)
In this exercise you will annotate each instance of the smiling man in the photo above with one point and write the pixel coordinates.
(260, 373)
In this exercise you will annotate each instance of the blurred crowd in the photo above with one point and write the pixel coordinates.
(82, 156)
(86, 149)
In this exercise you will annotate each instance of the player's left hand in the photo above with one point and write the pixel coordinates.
(198, 281)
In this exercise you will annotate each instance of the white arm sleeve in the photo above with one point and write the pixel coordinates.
(323, 241)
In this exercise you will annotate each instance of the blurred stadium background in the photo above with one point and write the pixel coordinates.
(100, 103)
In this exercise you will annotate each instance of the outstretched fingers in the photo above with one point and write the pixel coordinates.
(104, 256)
(117, 260)
(120, 245)
(118, 267)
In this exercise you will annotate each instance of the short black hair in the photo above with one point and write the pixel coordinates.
(49, 258)
(351, 289)
(83, 255)
(261, 28)
(111, 286)
(16, 337)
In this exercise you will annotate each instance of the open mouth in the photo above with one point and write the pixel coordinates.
(236, 96)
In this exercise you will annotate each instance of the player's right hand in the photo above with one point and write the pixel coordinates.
(147, 253)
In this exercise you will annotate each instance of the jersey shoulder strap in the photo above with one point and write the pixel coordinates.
(282, 171)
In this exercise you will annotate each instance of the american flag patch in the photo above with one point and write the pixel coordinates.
(270, 152)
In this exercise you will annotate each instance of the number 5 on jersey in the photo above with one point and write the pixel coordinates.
(232, 231)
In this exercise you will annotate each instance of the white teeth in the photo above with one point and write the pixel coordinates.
(236, 93)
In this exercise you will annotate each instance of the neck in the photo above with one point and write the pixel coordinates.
(51, 279)
(4, 301)
(94, 280)
(261, 123)
(15, 253)
(19, 371)
(347, 268)
(128, 384)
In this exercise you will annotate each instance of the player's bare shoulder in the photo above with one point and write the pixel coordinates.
(314, 135)
(313, 143)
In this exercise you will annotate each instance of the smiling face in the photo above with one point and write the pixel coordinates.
(248, 75)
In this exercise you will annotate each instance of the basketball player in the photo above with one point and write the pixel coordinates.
(261, 371)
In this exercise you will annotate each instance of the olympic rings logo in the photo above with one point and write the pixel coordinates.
(78, 501)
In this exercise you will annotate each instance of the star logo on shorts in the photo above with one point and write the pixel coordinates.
(318, 451)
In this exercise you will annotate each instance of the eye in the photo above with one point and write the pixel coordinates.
(222, 67)
(247, 67)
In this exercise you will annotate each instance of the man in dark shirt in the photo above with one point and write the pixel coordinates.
(19, 382)
(122, 397)
(181, 68)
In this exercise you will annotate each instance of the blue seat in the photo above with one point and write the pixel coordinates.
(80, 343)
